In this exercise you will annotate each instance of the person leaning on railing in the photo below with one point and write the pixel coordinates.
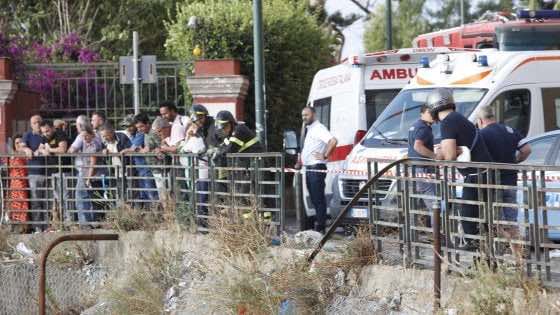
(504, 146)
(144, 183)
(58, 168)
(153, 136)
(457, 131)
(88, 175)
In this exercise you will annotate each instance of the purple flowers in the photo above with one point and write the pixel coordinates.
(69, 49)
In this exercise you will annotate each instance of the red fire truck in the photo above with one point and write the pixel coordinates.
(526, 30)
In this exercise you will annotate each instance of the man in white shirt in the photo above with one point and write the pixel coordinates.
(318, 145)
(179, 126)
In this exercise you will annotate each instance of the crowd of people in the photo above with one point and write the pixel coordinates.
(45, 156)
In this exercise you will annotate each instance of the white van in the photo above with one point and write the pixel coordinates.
(350, 96)
(523, 88)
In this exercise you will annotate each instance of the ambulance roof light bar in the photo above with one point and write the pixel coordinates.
(538, 14)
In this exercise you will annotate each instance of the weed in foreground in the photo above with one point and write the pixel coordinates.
(249, 234)
(502, 290)
(143, 291)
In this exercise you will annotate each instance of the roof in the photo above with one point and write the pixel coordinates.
(465, 69)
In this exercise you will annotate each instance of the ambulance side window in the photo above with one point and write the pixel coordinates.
(376, 102)
(513, 108)
(323, 110)
(551, 108)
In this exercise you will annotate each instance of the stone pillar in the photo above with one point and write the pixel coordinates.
(8, 90)
(219, 85)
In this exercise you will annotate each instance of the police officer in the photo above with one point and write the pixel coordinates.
(421, 145)
(503, 145)
(206, 125)
(457, 131)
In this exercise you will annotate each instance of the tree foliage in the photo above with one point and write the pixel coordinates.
(103, 25)
(408, 22)
(295, 48)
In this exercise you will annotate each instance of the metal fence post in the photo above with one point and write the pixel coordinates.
(437, 256)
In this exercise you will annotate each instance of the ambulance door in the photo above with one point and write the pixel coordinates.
(512, 107)
(551, 107)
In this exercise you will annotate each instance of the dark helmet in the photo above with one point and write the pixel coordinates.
(197, 112)
(438, 100)
(224, 117)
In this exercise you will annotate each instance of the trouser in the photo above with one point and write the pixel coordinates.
(509, 213)
(61, 194)
(148, 191)
(471, 211)
(38, 211)
(315, 182)
(160, 180)
(83, 201)
(202, 186)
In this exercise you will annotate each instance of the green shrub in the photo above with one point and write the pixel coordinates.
(295, 47)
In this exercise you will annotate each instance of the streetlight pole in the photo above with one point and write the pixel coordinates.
(135, 73)
(388, 25)
(260, 88)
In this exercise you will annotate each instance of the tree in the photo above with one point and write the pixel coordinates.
(295, 45)
(103, 25)
(408, 22)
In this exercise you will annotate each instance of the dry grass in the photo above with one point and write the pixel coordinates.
(4, 235)
(235, 235)
(127, 218)
(498, 290)
(144, 289)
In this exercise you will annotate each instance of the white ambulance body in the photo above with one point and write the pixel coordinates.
(349, 97)
(523, 88)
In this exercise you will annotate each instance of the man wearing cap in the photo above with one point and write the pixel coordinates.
(179, 125)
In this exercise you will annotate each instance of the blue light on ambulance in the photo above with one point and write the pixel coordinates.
(538, 14)
(425, 62)
(483, 60)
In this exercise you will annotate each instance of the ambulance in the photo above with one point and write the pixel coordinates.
(350, 96)
(523, 87)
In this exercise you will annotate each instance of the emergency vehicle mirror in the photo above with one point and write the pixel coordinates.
(290, 142)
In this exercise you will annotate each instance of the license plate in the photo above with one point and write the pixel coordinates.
(360, 213)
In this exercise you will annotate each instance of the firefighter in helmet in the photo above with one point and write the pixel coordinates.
(206, 125)
(235, 137)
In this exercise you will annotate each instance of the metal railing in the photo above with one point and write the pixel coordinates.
(71, 89)
(69, 191)
(482, 218)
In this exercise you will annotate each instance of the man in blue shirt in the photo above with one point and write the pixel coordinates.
(421, 145)
(503, 145)
(37, 171)
(457, 131)
(145, 181)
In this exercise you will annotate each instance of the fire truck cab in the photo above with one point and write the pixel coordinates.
(525, 31)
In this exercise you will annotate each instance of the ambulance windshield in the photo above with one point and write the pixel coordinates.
(535, 37)
(392, 125)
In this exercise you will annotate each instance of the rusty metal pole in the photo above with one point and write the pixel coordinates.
(437, 255)
(47, 251)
